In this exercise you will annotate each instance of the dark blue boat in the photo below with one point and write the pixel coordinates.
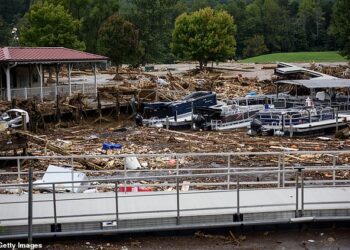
(183, 106)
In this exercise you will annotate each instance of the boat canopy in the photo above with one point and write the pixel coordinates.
(318, 83)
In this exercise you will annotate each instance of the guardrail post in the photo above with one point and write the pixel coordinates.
(334, 163)
(283, 169)
(302, 192)
(30, 206)
(279, 172)
(228, 171)
(116, 204)
(238, 210)
(54, 205)
(72, 165)
(177, 201)
(18, 169)
(299, 213)
(296, 194)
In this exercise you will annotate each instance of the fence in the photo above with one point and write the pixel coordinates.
(233, 180)
(50, 93)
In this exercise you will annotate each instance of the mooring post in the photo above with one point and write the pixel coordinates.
(30, 206)
(24, 121)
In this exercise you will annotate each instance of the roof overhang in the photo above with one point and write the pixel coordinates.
(319, 83)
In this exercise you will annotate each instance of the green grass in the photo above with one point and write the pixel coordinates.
(324, 56)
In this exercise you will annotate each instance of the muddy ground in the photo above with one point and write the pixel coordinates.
(312, 239)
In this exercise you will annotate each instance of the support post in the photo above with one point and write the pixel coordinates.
(41, 73)
(177, 201)
(237, 189)
(228, 171)
(296, 194)
(336, 119)
(116, 203)
(24, 121)
(70, 67)
(30, 206)
(54, 206)
(8, 83)
(95, 79)
(56, 87)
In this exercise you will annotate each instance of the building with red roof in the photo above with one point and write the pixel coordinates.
(22, 69)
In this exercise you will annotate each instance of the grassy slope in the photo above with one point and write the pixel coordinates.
(325, 56)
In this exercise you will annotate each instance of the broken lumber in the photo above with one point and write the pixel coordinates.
(46, 144)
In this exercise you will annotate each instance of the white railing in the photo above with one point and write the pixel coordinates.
(51, 92)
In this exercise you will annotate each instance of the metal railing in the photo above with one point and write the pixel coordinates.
(228, 178)
(51, 92)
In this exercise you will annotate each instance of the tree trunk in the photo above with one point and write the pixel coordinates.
(201, 65)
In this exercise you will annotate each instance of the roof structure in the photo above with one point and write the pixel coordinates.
(320, 83)
(286, 68)
(46, 55)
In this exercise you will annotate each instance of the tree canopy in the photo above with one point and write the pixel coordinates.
(278, 25)
(50, 25)
(118, 40)
(206, 35)
(340, 27)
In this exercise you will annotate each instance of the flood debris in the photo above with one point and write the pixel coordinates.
(57, 174)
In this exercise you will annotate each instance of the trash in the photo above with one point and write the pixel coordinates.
(322, 138)
(54, 174)
(90, 191)
(185, 186)
(132, 163)
(3, 126)
(330, 239)
(160, 81)
(63, 144)
(123, 188)
(144, 189)
(108, 145)
(311, 241)
(172, 162)
(13, 117)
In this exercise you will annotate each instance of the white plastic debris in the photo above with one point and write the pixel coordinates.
(161, 81)
(132, 163)
(185, 186)
(55, 174)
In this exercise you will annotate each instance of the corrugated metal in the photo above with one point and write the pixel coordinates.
(42, 54)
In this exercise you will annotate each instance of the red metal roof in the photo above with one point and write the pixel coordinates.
(46, 54)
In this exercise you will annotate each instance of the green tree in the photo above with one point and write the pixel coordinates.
(4, 33)
(118, 40)
(205, 35)
(98, 12)
(154, 20)
(268, 18)
(340, 26)
(255, 46)
(50, 25)
(311, 17)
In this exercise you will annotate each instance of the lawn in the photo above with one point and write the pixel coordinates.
(324, 56)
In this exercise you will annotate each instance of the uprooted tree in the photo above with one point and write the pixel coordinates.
(205, 35)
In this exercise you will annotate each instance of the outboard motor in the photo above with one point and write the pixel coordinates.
(199, 121)
(139, 120)
(255, 127)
